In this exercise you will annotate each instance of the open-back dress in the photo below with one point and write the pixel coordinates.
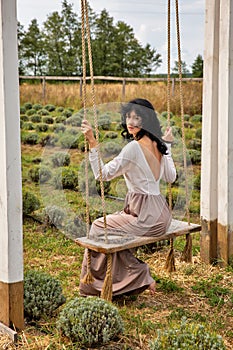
(145, 213)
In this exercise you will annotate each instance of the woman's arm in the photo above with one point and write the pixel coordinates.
(169, 174)
(116, 167)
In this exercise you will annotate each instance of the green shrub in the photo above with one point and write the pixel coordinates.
(197, 182)
(30, 138)
(75, 120)
(59, 128)
(30, 112)
(24, 118)
(48, 120)
(164, 114)
(176, 131)
(73, 131)
(55, 216)
(37, 106)
(22, 110)
(50, 107)
(33, 174)
(36, 160)
(45, 174)
(48, 139)
(60, 119)
(187, 336)
(90, 321)
(186, 117)
(198, 133)
(197, 118)
(21, 124)
(76, 228)
(28, 126)
(104, 122)
(27, 105)
(69, 141)
(43, 112)
(59, 109)
(107, 187)
(195, 144)
(118, 127)
(195, 156)
(30, 202)
(188, 125)
(42, 295)
(67, 179)
(60, 159)
(66, 113)
(81, 146)
(35, 118)
(42, 127)
(111, 135)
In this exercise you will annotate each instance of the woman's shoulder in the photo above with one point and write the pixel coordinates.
(130, 146)
(129, 150)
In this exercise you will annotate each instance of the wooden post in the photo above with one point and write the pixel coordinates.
(11, 247)
(43, 89)
(217, 142)
(225, 132)
(123, 89)
(209, 164)
(81, 88)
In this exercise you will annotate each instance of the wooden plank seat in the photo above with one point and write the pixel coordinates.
(119, 242)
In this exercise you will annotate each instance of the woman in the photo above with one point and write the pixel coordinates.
(143, 162)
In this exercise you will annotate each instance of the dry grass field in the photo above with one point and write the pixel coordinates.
(68, 95)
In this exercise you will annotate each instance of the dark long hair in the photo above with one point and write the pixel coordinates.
(150, 123)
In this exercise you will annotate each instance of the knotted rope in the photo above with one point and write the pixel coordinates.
(88, 278)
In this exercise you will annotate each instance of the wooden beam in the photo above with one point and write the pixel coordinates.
(6, 330)
(12, 309)
(118, 243)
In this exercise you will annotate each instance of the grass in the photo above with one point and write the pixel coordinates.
(182, 293)
(202, 293)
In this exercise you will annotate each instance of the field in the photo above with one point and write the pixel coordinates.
(201, 293)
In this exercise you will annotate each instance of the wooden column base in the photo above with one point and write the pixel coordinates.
(225, 244)
(208, 241)
(11, 305)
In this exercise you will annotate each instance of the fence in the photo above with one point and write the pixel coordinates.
(124, 80)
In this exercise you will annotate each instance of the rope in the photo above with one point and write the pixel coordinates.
(187, 252)
(84, 99)
(170, 261)
(182, 111)
(169, 85)
(84, 2)
(88, 278)
(106, 292)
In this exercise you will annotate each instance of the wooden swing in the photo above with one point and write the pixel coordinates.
(108, 243)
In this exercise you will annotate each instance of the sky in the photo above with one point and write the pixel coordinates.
(148, 18)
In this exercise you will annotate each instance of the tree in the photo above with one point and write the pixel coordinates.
(197, 67)
(31, 48)
(103, 44)
(57, 49)
(184, 69)
(22, 64)
(72, 38)
(132, 58)
(150, 60)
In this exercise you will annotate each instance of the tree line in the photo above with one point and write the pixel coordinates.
(55, 49)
